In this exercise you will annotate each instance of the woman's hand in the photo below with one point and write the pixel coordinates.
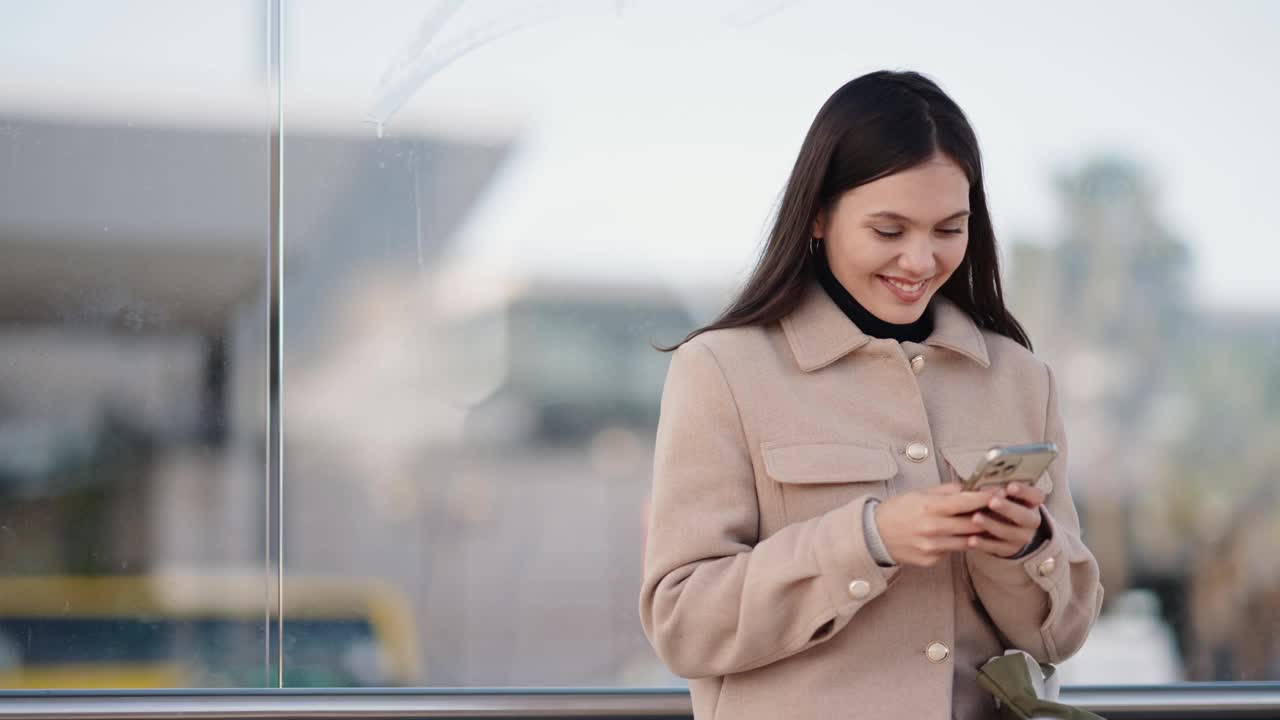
(1010, 520)
(922, 526)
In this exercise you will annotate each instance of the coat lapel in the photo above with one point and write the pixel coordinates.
(955, 330)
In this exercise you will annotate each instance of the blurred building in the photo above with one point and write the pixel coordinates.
(134, 315)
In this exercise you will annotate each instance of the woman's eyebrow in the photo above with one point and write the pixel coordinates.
(890, 215)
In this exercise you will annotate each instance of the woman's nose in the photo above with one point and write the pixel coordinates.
(917, 259)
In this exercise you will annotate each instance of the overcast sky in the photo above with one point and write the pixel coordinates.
(654, 136)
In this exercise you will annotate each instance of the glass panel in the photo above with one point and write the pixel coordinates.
(133, 217)
(494, 207)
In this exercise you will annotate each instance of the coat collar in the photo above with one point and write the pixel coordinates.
(820, 333)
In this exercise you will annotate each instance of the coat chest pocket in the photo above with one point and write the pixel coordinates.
(963, 460)
(815, 478)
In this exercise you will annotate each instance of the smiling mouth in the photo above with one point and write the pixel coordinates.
(906, 287)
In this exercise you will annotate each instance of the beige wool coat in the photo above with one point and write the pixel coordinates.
(758, 586)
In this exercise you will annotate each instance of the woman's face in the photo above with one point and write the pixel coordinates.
(893, 242)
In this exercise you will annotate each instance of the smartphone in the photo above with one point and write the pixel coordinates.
(1012, 463)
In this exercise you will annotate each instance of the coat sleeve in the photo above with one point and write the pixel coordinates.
(715, 598)
(1046, 602)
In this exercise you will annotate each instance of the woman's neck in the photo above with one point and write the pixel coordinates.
(866, 321)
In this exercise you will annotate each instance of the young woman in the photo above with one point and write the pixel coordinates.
(810, 553)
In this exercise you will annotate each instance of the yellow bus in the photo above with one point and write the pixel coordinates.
(203, 631)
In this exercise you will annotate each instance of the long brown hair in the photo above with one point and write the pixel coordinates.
(873, 126)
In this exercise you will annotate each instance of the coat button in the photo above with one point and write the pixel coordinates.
(917, 364)
(918, 451)
(936, 652)
(1046, 566)
(859, 589)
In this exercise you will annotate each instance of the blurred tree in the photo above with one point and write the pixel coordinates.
(1174, 415)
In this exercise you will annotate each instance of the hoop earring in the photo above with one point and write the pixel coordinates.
(814, 242)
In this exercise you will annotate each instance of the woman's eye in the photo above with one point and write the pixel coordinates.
(898, 233)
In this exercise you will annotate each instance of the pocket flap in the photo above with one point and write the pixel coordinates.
(964, 460)
(817, 463)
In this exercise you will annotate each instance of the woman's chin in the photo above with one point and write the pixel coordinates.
(893, 310)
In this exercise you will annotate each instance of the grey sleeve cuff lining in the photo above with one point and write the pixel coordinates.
(875, 545)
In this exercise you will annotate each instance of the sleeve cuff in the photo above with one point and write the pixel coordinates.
(844, 557)
(1044, 565)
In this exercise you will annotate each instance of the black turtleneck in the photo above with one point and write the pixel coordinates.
(867, 322)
